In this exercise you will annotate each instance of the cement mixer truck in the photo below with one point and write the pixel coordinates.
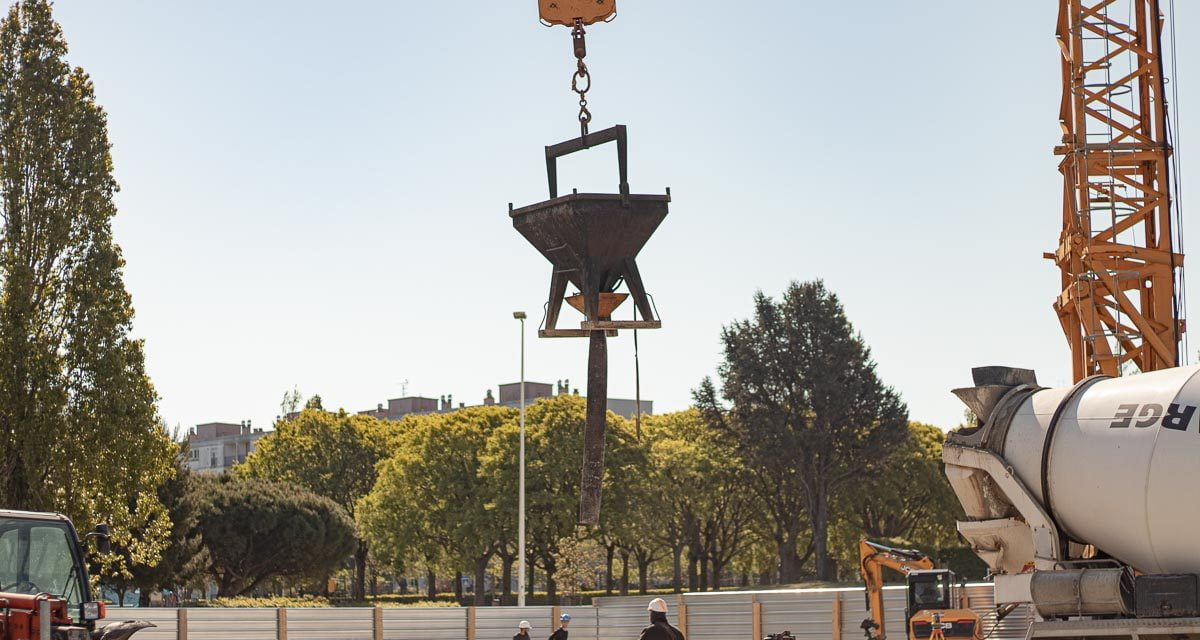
(1083, 500)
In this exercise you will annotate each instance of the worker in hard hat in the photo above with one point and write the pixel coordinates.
(561, 632)
(523, 630)
(659, 628)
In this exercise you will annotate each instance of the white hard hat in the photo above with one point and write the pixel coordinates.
(524, 625)
(658, 604)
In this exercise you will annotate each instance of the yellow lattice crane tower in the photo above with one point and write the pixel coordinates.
(1118, 255)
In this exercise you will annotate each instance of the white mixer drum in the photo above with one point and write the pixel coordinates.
(1123, 467)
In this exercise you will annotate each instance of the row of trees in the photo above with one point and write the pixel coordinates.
(771, 479)
(774, 476)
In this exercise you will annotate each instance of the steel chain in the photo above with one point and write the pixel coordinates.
(581, 76)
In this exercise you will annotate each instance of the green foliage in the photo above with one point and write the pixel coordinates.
(431, 499)
(79, 431)
(181, 561)
(701, 494)
(807, 410)
(553, 453)
(907, 501)
(811, 452)
(909, 496)
(274, 602)
(962, 561)
(428, 604)
(318, 602)
(446, 498)
(578, 559)
(330, 454)
(253, 530)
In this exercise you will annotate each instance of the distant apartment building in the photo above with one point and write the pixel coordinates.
(510, 396)
(216, 446)
(397, 408)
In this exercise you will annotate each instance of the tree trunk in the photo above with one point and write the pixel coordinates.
(227, 587)
(704, 572)
(624, 572)
(643, 575)
(481, 565)
(693, 579)
(551, 568)
(820, 524)
(764, 578)
(144, 598)
(745, 581)
(359, 592)
(403, 586)
(716, 574)
(531, 584)
(789, 561)
(458, 591)
(611, 552)
(677, 568)
(506, 563)
(431, 587)
(551, 588)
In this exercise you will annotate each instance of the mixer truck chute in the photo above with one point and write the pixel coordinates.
(1081, 499)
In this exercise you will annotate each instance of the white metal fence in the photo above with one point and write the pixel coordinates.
(810, 614)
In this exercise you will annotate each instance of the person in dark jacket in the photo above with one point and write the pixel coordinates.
(523, 630)
(659, 628)
(561, 632)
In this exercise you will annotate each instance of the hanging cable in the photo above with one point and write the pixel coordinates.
(1173, 129)
(637, 382)
(1172, 204)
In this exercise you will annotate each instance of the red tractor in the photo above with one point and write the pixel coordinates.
(44, 588)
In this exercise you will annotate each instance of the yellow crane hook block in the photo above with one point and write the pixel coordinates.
(566, 12)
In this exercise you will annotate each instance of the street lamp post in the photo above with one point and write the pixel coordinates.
(520, 315)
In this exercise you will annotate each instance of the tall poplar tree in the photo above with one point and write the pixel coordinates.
(79, 429)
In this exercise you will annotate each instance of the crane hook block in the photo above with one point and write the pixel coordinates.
(566, 12)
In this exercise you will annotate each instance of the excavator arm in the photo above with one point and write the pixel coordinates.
(873, 559)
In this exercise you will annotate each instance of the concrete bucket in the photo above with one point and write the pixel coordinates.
(592, 241)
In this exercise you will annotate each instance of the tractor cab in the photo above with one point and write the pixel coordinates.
(933, 607)
(43, 572)
(930, 589)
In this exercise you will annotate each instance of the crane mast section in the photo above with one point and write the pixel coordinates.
(1118, 261)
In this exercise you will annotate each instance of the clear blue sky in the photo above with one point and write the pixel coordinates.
(314, 194)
